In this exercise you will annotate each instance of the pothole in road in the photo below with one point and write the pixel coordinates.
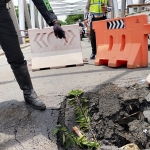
(119, 115)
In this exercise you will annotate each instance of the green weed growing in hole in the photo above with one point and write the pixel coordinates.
(81, 106)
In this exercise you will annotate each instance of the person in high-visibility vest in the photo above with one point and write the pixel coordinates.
(98, 11)
(10, 45)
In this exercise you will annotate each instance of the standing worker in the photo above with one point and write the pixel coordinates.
(10, 45)
(87, 24)
(98, 11)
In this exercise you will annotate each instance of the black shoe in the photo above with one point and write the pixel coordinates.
(32, 99)
(23, 78)
(92, 56)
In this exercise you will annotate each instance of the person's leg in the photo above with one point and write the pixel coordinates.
(93, 37)
(88, 33)
(10, 45)
(93, 42)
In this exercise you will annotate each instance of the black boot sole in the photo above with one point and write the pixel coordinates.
(41, 108)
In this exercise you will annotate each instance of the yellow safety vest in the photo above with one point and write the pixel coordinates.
(96, 6)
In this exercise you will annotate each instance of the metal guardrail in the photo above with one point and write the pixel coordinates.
(137, 5)
(141, 7)
(25, 32)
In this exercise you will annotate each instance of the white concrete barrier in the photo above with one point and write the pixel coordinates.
(148, 80)
(49, 52)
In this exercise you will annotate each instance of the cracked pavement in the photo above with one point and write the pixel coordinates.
(23, 128)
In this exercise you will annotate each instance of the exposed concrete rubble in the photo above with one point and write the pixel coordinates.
(130, 146)
(117, 116)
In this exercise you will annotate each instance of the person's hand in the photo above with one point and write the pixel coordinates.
(85, 22)
(59, 32)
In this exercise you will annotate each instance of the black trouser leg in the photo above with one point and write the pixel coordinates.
(24, 81)
(92, 34)
(10, 45)
(9, 42)
(93, 40)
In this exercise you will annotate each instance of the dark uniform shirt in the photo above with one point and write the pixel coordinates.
(43, 7)
(2, 4)
(5, 20)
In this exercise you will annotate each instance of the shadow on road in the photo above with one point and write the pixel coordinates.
(20, 124)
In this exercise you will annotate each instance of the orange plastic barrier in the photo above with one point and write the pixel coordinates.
(122, 41)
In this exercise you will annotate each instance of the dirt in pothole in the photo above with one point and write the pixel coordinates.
(116, 115)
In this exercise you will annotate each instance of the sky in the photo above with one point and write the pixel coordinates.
(64, 17)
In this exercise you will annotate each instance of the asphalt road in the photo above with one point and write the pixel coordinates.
(24, 128)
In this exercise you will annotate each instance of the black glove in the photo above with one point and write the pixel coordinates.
(59, 32)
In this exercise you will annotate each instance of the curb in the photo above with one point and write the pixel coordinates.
(22, 46)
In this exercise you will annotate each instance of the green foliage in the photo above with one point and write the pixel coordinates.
(17, 10)
(80, 105)
(71, 19)
(81, 109)
(28, 5)
(70, 140)
(83, 141)
(75, 93)
(17, 13)
(62, 22)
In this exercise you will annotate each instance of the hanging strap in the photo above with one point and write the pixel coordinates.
(8, 5)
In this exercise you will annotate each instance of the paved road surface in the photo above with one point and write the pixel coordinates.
(24, 128)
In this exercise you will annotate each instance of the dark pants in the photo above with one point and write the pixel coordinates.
(92, 34)
(9, 41)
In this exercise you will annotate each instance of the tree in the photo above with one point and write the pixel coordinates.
(62, 22)
(71, 19)
(16, 9)
(17, 13)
